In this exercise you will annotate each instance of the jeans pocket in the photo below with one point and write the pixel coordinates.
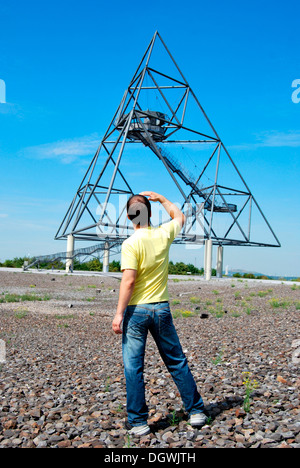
(165, 321)
(135, 322)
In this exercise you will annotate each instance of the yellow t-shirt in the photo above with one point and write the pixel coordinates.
(147, 251)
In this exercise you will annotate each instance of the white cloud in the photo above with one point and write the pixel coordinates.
(271, 139)
(67, 151)
(277, 139)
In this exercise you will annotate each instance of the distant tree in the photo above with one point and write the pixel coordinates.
(115, 266)
(95, 265)
(181, 268)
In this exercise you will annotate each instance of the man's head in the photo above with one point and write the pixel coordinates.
(139, 210)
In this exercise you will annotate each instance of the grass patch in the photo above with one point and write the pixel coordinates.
(181, 313)
(218, 358)
(20, 314)
(195, 300)
(264, 293)
(235, 313)
(248, 299)
(217, 311)
(64, 317)
(22, 297)
(279, 303)
(175, 302)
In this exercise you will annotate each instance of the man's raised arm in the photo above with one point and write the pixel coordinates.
(173, 211)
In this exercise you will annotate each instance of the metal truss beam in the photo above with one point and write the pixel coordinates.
(130, 125)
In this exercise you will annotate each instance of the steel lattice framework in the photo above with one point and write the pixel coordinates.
(219, 205)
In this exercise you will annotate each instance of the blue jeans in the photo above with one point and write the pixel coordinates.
(157, 319)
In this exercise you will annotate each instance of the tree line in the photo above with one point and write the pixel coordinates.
(178, 268)
(95, 264)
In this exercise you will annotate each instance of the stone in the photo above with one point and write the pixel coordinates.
(64, 444)
(65, 387)
(281, 379)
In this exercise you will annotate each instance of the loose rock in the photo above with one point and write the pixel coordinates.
(62, 384)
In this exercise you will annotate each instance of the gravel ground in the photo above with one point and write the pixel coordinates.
(62, 384)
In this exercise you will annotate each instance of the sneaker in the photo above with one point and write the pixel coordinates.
(139, 430)
(198, 419)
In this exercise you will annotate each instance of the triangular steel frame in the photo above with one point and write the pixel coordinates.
(130, 124)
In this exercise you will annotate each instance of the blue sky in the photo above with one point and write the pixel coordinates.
(66, 65)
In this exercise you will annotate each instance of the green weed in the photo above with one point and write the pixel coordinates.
(175, 302)
(23, 297)
(250, 385)
(218, 358)
(194, 300)
(181, 313)
(20, 314)
(279, 303)
(217, 311)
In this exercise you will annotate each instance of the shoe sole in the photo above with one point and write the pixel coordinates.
(198, 423)
(139, 433)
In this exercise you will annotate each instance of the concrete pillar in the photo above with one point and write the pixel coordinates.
(207, 259)
(219, 261)
(106, 258)
(70, 253)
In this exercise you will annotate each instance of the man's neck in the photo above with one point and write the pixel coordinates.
(136, 228)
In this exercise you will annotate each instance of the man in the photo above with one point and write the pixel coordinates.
(143, 298)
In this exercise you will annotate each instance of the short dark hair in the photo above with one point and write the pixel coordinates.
(139, 210)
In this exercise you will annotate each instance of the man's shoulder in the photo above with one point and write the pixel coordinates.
(129, 241)
(171, 227)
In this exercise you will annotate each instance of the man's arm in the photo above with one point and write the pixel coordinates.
(173, 211)
(126, 290)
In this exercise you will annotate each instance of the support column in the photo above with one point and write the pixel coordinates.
(70, 253)
(106, 258)
(219, 261)
(207, 259)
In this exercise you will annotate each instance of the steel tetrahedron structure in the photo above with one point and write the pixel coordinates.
(161, 139)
